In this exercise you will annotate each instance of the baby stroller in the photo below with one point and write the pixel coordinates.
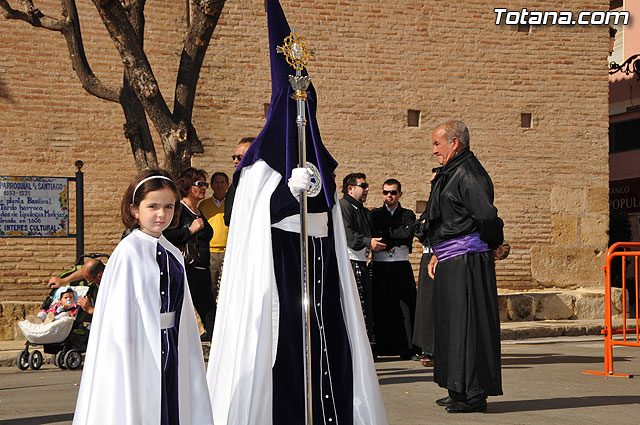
(65, 338)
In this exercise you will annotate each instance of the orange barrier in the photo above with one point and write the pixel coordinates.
(629, 252)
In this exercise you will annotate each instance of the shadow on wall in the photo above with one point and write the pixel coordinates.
(4, 92)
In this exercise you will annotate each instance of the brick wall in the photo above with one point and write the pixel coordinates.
(374, 61)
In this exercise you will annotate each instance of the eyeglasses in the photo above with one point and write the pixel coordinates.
(392, 192)
(237, 157)
(203, 185)
(364, 185)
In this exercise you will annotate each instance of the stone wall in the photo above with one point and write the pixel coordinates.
(374, 61)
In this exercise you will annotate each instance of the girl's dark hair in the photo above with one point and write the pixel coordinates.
(187, 178)
(151, 185)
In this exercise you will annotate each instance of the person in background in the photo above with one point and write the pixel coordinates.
(424, 324)
(213, 210)
(243, 146)
(394, 287)
(357, 226)
(192, 237)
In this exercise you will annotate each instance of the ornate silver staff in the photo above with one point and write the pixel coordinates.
(297, 54)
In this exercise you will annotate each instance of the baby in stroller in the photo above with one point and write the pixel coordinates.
(72, 308)
(65, 306)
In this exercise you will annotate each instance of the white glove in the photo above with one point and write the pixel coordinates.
(300, 180)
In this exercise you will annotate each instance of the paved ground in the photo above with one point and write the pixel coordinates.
(543, 384)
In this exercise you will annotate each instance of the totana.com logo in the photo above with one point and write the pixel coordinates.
(563, 17)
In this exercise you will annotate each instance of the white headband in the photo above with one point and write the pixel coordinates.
(133, 197)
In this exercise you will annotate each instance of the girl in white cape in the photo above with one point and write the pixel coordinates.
(144, 362)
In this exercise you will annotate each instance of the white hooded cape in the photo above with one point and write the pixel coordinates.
(121, 380)
(244, 340)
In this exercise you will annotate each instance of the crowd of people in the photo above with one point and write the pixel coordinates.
(449, 320)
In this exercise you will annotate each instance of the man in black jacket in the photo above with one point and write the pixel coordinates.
(465, 233)
(394, 286)
(357, 226)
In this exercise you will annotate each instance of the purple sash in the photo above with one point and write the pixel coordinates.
(459, 246)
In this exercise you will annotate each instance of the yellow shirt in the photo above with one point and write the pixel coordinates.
(215, 216)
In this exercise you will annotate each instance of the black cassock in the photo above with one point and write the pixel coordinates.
(357, 227)
(424, 326)
(394, 286)
(467, 340)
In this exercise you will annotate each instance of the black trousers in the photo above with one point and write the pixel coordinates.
(203, 300)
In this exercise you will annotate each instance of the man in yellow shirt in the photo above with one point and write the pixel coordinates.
(213, 210)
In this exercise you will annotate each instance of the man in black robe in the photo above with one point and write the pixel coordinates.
(394, 287)
(424, 327)
(465, 233)
(357, 226)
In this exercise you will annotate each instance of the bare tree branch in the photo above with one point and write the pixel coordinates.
(73, 37)
(135, 12)
(31, 15)
(205, 15)
(143, 82)
(205, 18)
(139, 95)
(136, 129)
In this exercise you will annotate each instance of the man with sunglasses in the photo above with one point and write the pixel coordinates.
(241, 150)
(357, 226)
(394, 287)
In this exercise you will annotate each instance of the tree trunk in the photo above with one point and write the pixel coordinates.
(136, 130)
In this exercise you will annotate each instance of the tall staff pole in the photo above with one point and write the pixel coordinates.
(297, 55)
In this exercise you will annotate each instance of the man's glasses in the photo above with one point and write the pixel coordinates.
(237, 157)
(392, 192)
(202, 185)
(362, 185)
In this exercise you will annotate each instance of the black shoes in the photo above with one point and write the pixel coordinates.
(406, 356)
(420, 356)
(445, 402)
(453, 406)
(461, 407)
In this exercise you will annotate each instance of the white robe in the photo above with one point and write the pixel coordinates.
(121, 380)
(245, 339)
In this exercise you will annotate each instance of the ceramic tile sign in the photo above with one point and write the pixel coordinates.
(34, 206)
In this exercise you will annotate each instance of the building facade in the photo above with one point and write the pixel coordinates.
(624, 119)
(386, 72)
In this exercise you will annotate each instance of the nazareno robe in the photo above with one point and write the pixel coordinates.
(394, 286)
(135, 371)
(256, 361)
(467, 342)
(256, 355)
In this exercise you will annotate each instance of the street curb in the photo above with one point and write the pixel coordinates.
(9, 350)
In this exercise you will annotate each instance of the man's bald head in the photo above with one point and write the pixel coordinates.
(92, 270)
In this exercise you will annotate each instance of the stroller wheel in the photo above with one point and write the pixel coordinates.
(73, 359)
(58, 359)
(22, 361)
(35, 359)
